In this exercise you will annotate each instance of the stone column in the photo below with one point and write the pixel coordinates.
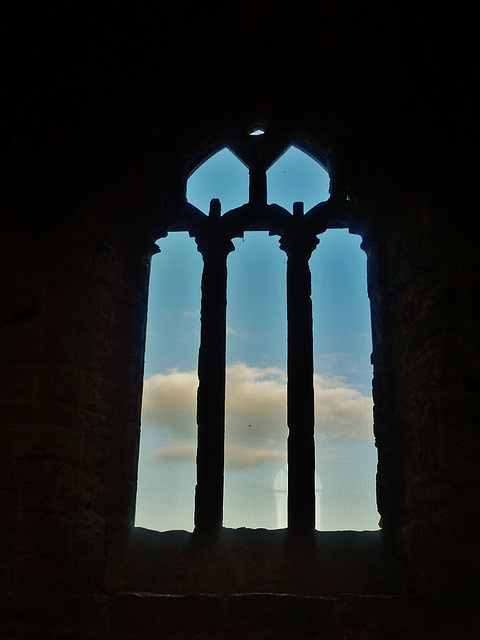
(214, 246)
(298, 245)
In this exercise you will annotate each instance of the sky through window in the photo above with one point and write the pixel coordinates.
(256, 431)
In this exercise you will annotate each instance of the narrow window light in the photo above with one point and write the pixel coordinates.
(256, 392)
(166, 466)
(346, 456)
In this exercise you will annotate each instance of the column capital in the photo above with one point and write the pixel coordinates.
(298, 241)
(213, 239)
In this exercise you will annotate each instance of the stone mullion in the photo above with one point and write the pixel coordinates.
(258, 175)
(300, 392)
(211, 374)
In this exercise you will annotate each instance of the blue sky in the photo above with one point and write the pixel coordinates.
(256, 364)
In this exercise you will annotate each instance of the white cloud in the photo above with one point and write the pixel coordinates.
(240, 456)
(178, 451)
(341, 411)
(236, 455)
(256, 407)
(169, 400)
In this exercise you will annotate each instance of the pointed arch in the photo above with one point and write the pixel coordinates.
(222, 176)
(296, 177)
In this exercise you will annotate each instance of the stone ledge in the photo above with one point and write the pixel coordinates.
(141, 616)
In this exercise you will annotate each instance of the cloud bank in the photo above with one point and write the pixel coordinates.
(256, 401)
(236, 455)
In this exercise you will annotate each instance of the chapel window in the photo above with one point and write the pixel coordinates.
(262, 381)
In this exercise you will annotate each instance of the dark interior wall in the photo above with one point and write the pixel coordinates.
(108, 112)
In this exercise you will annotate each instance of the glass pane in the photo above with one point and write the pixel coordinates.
(256, 433)
(346, 457)
(166, 472)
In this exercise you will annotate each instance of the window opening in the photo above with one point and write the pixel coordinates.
(222, 176)
(296, 177)
(345, 451)
(166, 468)
(256, 429)
(293, 179)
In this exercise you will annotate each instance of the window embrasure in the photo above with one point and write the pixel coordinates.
(253, 413)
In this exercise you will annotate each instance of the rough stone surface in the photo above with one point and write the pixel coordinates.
(107, 113)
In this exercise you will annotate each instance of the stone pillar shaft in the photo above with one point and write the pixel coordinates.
(211, 389)
(300, 393)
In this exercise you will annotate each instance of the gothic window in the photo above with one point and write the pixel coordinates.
(219, 234)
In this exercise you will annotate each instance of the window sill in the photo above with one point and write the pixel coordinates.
(250, 560)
